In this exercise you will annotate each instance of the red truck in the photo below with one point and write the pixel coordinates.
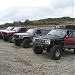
(69, 40)
(7, 29)
(8, 35)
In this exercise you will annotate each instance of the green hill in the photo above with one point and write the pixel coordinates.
(47, 21)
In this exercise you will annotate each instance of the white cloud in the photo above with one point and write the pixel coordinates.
(19, 10)
(8, 21)
(5, 4)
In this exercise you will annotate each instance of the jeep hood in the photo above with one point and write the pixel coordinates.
(2, 30)
(49, 37)
(24, 34)
(9, 31)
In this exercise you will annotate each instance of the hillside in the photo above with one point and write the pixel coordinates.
(42, 22)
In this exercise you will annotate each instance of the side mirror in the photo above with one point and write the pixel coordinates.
(67, 36)
(34, 33)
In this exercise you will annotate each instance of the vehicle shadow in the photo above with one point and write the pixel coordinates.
(67, 53)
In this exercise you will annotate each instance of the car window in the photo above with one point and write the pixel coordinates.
(31, 31)
(44, 31)
(58, 32)
(16, 29)
(73, 34)
(23, 29)
(38, 32)
(9, 28)
(47, 31)
(69, 34)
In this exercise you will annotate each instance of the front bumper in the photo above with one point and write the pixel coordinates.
(41, 45)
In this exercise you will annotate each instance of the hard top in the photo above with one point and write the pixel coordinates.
(70, 27)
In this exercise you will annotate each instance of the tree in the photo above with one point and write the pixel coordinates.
(27, 22)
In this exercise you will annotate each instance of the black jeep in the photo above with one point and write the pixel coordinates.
(53, 42)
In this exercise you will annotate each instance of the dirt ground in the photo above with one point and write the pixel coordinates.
(22, 61)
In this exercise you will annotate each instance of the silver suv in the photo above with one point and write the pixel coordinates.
(25, 39)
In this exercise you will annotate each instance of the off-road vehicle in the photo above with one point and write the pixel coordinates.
(25, 39)
(8, 35)
(55, 42)
(7, 29)
(69, 40)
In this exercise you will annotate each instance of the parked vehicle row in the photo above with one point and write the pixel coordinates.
(25, 39)
(22, 35)
(53, 41)
(8, 35)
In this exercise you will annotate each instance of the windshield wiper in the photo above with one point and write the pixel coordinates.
(56, 35)
(49, 34)
(29, 32)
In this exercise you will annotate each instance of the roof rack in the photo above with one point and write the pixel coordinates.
(72, 27)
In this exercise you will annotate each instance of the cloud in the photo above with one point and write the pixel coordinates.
(63, 3)
(19, 10)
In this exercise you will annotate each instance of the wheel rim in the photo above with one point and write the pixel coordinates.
(57, 54)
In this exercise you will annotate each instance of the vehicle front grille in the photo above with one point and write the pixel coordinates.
(4, 33)
(39, 41)
(42, 41)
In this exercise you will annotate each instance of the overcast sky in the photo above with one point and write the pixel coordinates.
(20, 10)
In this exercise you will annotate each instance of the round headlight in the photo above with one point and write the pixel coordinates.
(47, 41)
(19, 36)
(33, 39)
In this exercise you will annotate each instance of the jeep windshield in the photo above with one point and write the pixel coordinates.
(31, 31)
(57, 32)
(16, 29)
(9, 28)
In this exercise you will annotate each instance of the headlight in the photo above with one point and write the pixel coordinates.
(19, 36)
(34, 39)
(47, 41)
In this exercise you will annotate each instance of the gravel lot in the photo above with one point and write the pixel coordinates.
(20, 61)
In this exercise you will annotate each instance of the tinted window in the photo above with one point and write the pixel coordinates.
(16, 29)
(73, 35)
(9, 28)
(44, 31)
(31, 31)
(69, 34)
(58, 32)
(38, 32)
(23, 29)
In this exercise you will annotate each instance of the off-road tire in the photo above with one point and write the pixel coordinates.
(55, 52)
(10, 39)
(48, 50)
(5, 39)
(26, 43)
(0, 36)
(37, 50)
(17, 43)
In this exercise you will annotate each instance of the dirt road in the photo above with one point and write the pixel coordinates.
(20, 61)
